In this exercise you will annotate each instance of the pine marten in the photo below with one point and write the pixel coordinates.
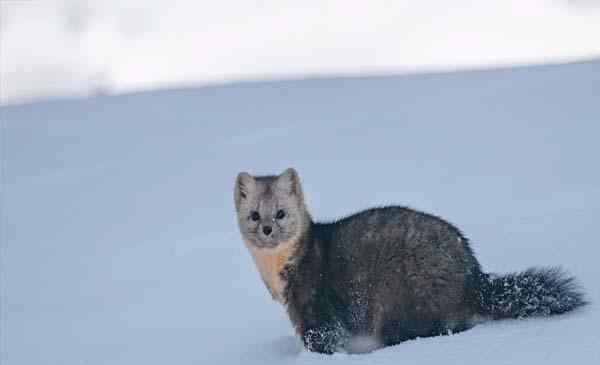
(380, 276)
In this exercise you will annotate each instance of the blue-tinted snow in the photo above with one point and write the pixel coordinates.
(120, 246)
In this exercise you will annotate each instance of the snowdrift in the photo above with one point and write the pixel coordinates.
(119, 240)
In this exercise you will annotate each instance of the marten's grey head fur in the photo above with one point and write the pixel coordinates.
(270, 209)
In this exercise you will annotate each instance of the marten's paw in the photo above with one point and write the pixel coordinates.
(323, 340)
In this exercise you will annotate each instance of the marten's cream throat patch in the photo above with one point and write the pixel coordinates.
(270, 264)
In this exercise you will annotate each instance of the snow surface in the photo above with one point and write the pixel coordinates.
(119, 240)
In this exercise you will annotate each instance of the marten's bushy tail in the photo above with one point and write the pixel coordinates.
(535, 292)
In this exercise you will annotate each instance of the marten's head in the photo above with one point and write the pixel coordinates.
(270, 209)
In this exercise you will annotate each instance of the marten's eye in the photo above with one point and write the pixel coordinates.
(280, 214)
(254, 216)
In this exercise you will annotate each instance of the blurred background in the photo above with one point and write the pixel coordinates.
(68, 48)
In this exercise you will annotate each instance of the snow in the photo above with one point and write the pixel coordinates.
(119, 239)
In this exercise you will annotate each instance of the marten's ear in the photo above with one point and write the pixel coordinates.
(289, 182)
(244, 186)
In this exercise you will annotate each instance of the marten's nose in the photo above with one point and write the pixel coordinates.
(267, 230)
